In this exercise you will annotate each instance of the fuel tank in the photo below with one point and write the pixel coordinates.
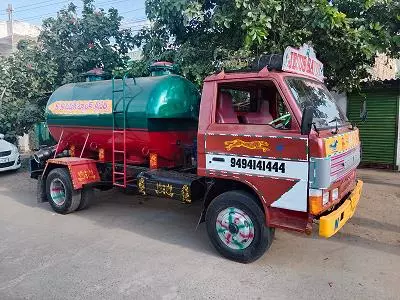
(159, 113)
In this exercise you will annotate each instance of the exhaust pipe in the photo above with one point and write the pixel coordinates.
(44, 154)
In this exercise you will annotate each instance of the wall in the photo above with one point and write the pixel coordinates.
(21, 31)
(341, 100)
(384, 69)
(398, 137)
(23, 143)
(19, 28)
(3, 29)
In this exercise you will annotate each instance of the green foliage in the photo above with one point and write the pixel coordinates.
(79, 44)
(27, 78)
(133, 69)
(204, 35)
(68, 46)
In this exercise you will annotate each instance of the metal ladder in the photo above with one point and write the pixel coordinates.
(119, 148)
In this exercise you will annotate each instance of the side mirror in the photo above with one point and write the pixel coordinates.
(1, 136)
(363, 111)
(307, 120)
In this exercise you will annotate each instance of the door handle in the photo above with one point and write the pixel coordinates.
(220, 159)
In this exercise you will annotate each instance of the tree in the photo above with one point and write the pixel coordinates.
(67, 47)
(204, 35)
(79, 44)
(27, 77)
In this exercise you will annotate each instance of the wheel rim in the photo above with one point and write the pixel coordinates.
(235, 228)
(57, 191)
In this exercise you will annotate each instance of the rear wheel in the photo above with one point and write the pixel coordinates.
(236, 227)
(87, 194)
(60, 193)
(41, 190)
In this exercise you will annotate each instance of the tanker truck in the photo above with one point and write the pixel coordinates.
(261, 148)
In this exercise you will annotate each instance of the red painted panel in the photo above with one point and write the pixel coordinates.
(83, 174)
(139, 143)
(82, 170)
(269, 189)
(288, 219)
(272, 147)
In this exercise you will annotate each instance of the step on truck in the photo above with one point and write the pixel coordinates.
(262, 148)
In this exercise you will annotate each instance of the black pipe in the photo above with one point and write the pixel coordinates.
(44, 154)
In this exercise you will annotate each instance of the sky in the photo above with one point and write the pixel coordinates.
(34, 11)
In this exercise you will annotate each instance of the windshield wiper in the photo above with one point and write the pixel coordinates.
(315, 128)
(336, 119)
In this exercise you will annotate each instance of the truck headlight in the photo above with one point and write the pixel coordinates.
(325, 198)
(335, 194)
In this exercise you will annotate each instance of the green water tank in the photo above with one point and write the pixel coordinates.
(161, 116)
(150, 102)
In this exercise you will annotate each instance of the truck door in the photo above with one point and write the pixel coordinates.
(254, 138)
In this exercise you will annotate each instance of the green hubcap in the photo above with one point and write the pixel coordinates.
(57, 192)
(235, 228)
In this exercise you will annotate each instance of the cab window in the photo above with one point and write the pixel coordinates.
(255, 102)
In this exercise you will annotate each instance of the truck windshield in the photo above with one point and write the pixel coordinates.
(326, 111)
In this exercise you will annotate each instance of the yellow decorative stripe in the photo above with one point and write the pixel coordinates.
(81, 107)
(186, 194)
(253, 145)
(164, 189)
(142, 186)
(341, 143)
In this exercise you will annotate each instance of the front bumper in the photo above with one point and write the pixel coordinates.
(331, 223)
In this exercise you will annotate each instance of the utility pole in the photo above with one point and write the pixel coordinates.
(10, 29)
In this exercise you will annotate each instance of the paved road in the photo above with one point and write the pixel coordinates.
(130, 247)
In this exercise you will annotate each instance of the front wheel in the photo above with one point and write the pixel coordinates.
(236, 227)
(60, 192)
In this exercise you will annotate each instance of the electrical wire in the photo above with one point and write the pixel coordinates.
(52, 13)
(34, 6)
(61, 2)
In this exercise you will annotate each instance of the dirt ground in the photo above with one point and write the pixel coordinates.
(131, 247)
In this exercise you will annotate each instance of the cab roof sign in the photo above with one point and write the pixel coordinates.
(303, 61)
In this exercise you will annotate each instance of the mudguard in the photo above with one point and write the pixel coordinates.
(82, 170)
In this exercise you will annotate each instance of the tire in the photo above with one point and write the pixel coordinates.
(236, 227)
(41, 190)
(60, 192)
(87, 194)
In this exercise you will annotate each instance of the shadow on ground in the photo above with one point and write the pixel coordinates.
(171, 221)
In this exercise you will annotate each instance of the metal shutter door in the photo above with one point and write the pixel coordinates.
(379, 133)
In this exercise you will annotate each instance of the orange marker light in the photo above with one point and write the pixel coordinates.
(317, 200)
(101, 154)
(315, 205)
(153, 161)
(72, 151)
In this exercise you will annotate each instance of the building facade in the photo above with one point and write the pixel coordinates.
(11, 32)
(380, 133)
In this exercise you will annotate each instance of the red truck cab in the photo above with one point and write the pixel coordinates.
(250, 140)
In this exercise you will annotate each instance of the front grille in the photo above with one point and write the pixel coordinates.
(342, 163)
(7, 164)
(5, 153)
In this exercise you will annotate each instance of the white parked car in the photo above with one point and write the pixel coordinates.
(9, 155)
